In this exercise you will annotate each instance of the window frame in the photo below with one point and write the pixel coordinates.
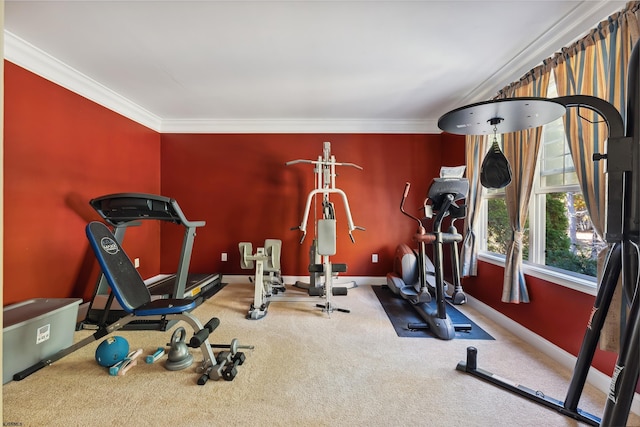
(534, 266)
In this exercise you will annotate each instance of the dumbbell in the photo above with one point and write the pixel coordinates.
(217, 371)
(231, 370)
(227, 362)
(224, 369)
(237, 357)
(205, 377)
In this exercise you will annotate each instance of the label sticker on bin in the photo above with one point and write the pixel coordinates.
(43, 333)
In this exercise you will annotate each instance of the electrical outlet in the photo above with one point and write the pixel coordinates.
(374, 258)
(136, 262)
(224, 256)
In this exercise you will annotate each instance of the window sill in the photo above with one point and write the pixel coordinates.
(576, 282)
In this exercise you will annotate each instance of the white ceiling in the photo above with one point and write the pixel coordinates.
(291, 66)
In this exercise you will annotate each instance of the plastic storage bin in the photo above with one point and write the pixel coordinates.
(34, 330)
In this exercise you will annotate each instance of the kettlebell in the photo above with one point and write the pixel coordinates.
(178, 357)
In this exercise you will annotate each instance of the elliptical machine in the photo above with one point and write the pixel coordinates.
(410, 279)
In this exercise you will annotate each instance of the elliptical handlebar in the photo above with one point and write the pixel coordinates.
(447, 201)
(407, 186)
(443, 212)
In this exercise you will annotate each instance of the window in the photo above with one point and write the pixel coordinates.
(560, 244)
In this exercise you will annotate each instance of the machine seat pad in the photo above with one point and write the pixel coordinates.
(165, 306)
(335, 268)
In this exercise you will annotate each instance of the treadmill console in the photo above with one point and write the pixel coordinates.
(125, 207)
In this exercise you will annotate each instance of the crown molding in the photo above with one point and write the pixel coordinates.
(300, 126)
(29, 57)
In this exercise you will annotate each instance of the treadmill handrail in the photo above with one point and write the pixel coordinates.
(125, 207)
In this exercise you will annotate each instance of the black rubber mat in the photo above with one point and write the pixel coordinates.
(401, 313)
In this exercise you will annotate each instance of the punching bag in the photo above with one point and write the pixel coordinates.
(495, 171)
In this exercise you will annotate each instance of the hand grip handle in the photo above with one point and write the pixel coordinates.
(407, 186)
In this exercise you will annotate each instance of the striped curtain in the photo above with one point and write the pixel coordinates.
(476, 148)
(597, 65)
(521, 150)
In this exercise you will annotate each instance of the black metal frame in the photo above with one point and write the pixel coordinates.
(623, 236)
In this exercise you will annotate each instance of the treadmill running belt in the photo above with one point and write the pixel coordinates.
(197, 283)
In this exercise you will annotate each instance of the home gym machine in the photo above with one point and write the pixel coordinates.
(622, 234)
(410, 278)
(124, 210)
(323, 273)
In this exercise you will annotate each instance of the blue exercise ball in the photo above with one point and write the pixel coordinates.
(111, 351)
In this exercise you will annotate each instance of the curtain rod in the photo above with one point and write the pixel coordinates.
(603, 29)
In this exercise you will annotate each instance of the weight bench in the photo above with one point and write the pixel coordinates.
(133, 296)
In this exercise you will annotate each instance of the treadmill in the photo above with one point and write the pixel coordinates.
(124, 210)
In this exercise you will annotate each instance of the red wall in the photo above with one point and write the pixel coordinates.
(453, 150)
(240, 185)
(61, 150)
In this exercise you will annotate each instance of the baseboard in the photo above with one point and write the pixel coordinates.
(290, 280)
(596, 378)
